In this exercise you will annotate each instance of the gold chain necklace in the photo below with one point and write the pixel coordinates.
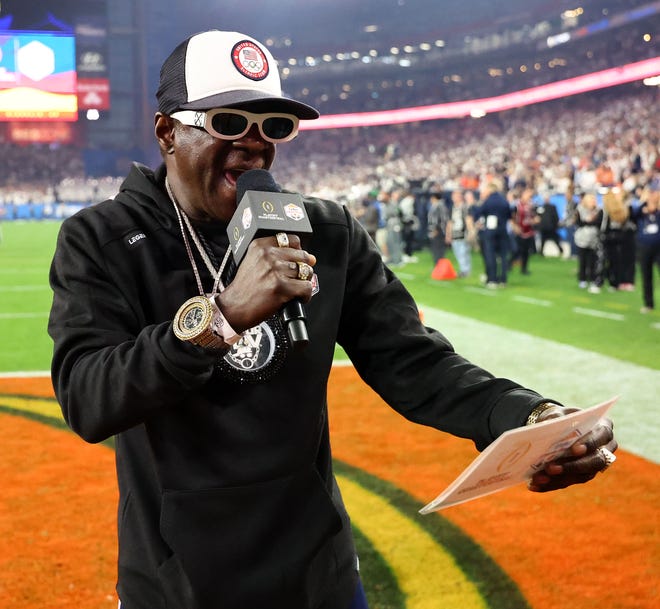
(218, 286)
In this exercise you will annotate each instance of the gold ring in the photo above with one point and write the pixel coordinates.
(608, 456)
(305, 271)
(282, 240)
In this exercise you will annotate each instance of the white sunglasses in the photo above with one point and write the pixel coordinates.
(232, 124)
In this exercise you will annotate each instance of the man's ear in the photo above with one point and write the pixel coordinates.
(164, 131)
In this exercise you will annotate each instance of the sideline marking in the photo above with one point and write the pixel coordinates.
(482, 291)
(26, 374)
(25, 288)
(533, 301)
(595, 313)
(22, 315)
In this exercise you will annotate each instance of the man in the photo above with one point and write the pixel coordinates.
(227, 496)
(438, 216)
(495, 212)
(523, 228)
(548, 224)
(459, 227)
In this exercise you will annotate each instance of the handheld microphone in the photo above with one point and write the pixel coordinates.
(263, 209)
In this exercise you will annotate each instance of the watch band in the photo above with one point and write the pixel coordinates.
(200, 321)
(221, 326)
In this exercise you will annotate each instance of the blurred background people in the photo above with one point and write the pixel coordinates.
(548, 225)
(438, 218)
(647, 218)
(459, 226)
(495, 212)
(523, 227)
(588, 220)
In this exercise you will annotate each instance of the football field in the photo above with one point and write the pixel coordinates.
(57, 515)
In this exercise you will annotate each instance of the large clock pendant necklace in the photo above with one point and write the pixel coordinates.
(261, 350)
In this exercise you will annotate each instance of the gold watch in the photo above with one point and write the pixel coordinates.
(200, 321)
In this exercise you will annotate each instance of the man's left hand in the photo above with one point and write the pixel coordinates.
(591, 454)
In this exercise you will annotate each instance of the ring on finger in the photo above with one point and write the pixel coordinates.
(608, 457)
(305, 271)
(282, 239)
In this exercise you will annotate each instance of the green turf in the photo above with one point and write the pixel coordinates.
(25, 297)
(542, 304)
(545, 304)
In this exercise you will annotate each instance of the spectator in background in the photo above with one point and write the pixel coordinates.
(368, 216)
(628, 251)
(548, 224)
(522, 224)
(587, 239)
(381, 200)
(437, 227)
(615, 215)
(647, 218)
(495, 212)
(568, 223)
(410, 224)
(394, 227)
(459, 227)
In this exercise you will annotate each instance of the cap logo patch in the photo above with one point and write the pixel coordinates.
(250, 60)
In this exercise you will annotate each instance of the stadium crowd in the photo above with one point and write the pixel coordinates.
(561, 150)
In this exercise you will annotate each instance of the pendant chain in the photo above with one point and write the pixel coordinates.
(218, 286)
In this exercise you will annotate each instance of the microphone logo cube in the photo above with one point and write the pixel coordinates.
(294, 212)
(262, 213)
(246, 220)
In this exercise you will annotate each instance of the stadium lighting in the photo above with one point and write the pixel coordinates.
(93, 114)
(648, 68)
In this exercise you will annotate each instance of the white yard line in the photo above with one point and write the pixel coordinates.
(482, 291)
(22, 315)
(26, 288)
(533, 301)
(596, 313)
(25, 375)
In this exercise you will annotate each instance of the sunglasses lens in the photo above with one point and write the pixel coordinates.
(278, 128)
(226, 123)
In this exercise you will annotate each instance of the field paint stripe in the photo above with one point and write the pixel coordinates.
(414, 556)
(26, 374)
(656, 326)
(596, 313)
(26, 288)
(46, 408)
(22, 270)
(482, 291)
(575, 377)
(533, 301)
(404, 275)
(22, 315)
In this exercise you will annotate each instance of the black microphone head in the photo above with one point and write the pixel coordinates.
(255, 179)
